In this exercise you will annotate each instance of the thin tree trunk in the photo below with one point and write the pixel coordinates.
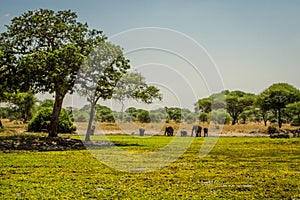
(53, 129)
(234, 120)
(122, 111)
(89, 128)
(279, 118)
(265, 121)
(1, 125)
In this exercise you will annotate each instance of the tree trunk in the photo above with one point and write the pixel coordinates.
(53, 129)
(122, 111)
(89, 128)
(265, 121)
(234, 120)
(279, 118)
(1, 125)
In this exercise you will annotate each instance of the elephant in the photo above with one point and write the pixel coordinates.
(142, 131)
(205, 132)
(197, 130)
(183, 133)
(169, 131)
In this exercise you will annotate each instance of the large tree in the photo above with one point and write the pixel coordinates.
(99, 74)
(203, 105)
(237, 102)
(104, 75)
(7, 63)
(277, 97)
(261, 108)
(49, 47)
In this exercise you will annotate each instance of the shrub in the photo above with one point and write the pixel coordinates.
(272, 130)
(295, 122)
(144, 116)
(203, 117)
(41, 121)
(220, 116)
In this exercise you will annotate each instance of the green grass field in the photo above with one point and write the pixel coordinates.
(237, 168)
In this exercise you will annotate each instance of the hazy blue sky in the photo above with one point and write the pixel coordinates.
(253, 43)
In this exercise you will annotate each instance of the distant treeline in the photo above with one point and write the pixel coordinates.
(278, 104)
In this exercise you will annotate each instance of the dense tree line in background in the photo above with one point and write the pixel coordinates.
(277, 104)
(280, 103)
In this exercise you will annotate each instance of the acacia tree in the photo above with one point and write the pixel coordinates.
(262, 109)
(99, 74)
(277, 97)
(237, 102)
(49, 48)
(203, 105)
(103, 76)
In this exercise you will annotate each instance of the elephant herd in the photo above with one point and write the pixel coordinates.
(169, 131)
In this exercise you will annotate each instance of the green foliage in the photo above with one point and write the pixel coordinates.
(41, 121)
(218, 100)
(133, 86)
(45, 49)
(98, 76)
(203, 105)
(22, 105)
(174, 114)
(272, 130)
(277, 97)
(103, 114)
(219, 116)
(158, 115)
(143, 116)
(203, 117)
(293, 110)
(131, 114)
(237, 102)
(47, 103)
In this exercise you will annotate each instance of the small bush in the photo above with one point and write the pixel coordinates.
(41, 121)
(144, 116)
(272, 130)
(295, 123)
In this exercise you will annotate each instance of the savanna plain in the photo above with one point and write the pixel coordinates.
(236, 168)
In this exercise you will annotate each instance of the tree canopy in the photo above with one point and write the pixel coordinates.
(237, 102)
(99, 74)
(49, 48)
(277, 97)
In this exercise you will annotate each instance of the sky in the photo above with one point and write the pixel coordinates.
(190, 49)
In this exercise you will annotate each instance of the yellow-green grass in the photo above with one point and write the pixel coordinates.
(237, 168)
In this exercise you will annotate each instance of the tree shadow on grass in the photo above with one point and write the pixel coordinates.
(44, 143)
